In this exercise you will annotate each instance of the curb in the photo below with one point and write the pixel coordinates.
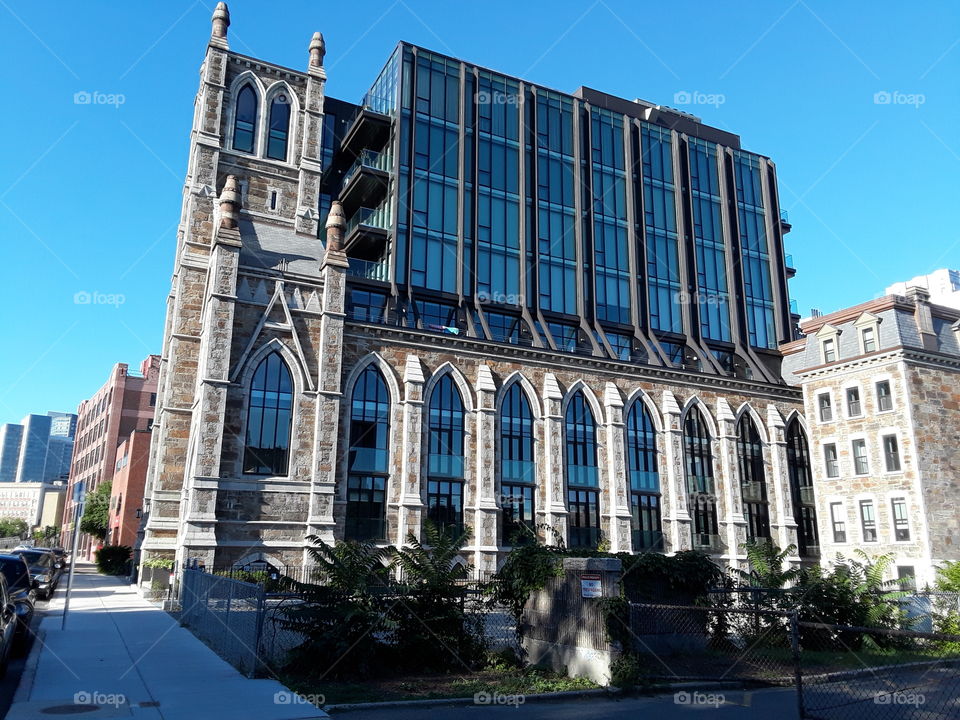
(609, 692)
(29, 674)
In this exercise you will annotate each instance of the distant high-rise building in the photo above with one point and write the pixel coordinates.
(62, 424)
(38, 449)
(125, 403)
(943, 285)
(10, 436)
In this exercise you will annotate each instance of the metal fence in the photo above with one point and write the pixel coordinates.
(855, 672)
(686, 643)
(225, 613)
(10, 542)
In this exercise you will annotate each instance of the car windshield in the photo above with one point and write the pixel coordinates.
(37, 559)
(14, 572)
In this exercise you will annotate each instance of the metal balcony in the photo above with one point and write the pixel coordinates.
(366, 233)
(370, 127)
(369, 269)
(789, 266)
(785, 225)
(367, 180)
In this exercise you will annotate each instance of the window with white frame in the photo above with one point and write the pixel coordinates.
(868, 521)
(868, 340)
(901, 523)
(884, 396)
(891, 453)
(825, 407)
(854, 407)
(839, 522)
(830, 460)
(829, 348)
(861, 465)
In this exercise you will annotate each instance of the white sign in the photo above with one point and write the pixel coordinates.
(590, 586)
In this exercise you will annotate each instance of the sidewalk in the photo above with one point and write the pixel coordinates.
(131, 659)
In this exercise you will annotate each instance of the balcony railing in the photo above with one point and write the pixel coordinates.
(368, 159)
(371, 217)
(518, 470)
(647, 540)
(450, 466)
(582, 475)
(369, 269)
(368, 460)
(707, 542)
(794, 308)
(806, 495)
(788, 260)
(752, 491)
(645, 480)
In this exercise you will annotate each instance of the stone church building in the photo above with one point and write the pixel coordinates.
(474, 300)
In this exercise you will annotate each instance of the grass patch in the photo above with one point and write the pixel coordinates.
(439, 686)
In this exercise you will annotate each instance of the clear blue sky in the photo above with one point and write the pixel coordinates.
(90, 193)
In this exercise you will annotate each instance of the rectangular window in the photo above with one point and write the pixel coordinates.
(830, 460)
(445, 504)
(518, 517)
(153, 399)
(829, 351)
(367, 306)
(884, 397)
(901, 525)
(868, 521)
(907, 577)
(868, 336)
(825, 407)
(838, 522)
(860, 464)
(365, 507)
(584, 509)
(891, 453)
(853, 402)
(645, 521)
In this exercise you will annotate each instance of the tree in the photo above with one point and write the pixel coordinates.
(96, 511)
(948, 577)
(46, 536)
(13, 527)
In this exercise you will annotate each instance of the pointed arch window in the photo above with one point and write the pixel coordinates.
(644, 479)
(801, 490)
(583, 501)
(279, 126)
(245, 120)
(701, 491)
(445, 455)
(368, 457)
(267, 445)
(518, 472)
(753, 483)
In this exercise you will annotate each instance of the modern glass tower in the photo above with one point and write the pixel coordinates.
(482, 205)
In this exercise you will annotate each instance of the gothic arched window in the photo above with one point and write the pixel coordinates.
(753, 484)
(267, 445)
(583, 502)
(801, 489)
(245, 120)
(445, 429)
(518, 472)
(368, 457)
(644, 479)
(701, 490)
(279, 127)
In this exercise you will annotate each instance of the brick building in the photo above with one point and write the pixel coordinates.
(475, 300)
(881, 389)
(125, 403)
(126, 493)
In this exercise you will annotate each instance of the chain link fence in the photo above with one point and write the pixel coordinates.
(856, 672)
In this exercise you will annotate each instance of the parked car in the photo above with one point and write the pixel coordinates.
(22, 589)
(8, 625)
(45, 569)
(61, 554)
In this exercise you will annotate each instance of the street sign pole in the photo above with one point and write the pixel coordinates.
(78, 513)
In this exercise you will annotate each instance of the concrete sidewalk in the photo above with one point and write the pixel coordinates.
(131, 659)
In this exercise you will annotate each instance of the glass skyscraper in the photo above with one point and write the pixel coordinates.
(484, 206)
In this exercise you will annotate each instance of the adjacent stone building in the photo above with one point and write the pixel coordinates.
(881, 389)
(472, 300)
(126, 490)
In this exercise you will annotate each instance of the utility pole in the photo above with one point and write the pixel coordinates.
(79, 495)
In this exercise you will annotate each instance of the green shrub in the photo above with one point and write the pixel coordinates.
(114, 559)
(161, 563)
(625, 672)
(678, 579)
(948, 577)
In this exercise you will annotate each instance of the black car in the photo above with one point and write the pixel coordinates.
(8, 625)
(21, 587)
(45, 569)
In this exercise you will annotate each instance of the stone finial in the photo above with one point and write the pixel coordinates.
(221, 21)
(611, 396)
(412, 370)
(774, 418)
(485, 382)
(670, 404)
(551, 388)
(229, 202)
(335, 225)
(724, 413)
(317, 50)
